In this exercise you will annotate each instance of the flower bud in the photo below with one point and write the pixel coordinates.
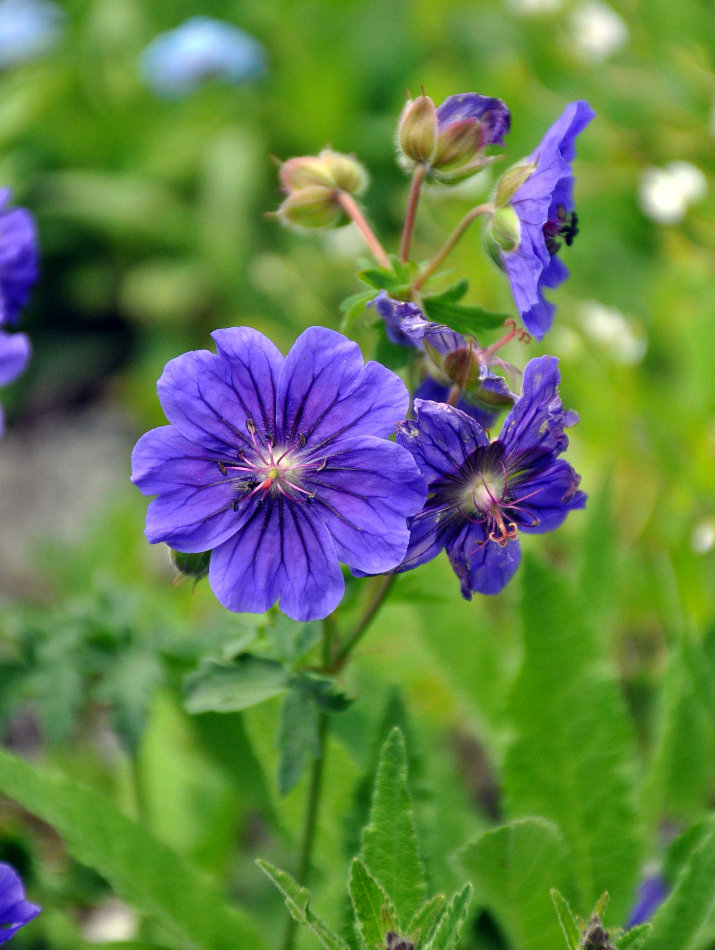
(457, 145)
(313, 184)
(417, 131)
(312, 207)
(304, 172)
(504, 229)
(512, 180)
(191, 565)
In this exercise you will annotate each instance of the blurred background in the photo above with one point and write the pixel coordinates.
(150, 187)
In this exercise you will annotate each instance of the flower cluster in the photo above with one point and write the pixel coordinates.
(15, 911)
(18, 272)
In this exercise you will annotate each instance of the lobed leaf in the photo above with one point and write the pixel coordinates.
(451, 922)
(423, 923)
(464, 318)
(634, 938)
(230, 687)
(298, 740)
(569, 924)
(368, 898)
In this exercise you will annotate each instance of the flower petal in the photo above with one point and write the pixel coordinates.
(364, 495)
(482, 566)
(535, 426)
(326, 389)
(281, 551)
(441, 441)
(15, 351)
(548, 497)
(492, 113)
(194, 510)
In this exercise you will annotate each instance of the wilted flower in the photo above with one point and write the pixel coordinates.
(454, 366)
(535, 213)
(178, 61)
(482, 493)
(450, 140)
(281, 467)
(15, 911)
(18, 258)
(28, 29)
(14, 354)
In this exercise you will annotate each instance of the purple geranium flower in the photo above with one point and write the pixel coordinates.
(18, 258)
(545, 210)
(14, 354)
(281, 467)
(15, 911)
(480, 492)
(178, 61)
(451, 361)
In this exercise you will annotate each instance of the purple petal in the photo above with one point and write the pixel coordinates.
(18, 259)
(403, 320)
(432, 391)
(430, 530)
(441, 441)
(15, 911)
(548, 498)
(282, 551)
(15, 351)
(326, 389)
(194, 511)
(482, 566)
(492, 113)
(364, 496)
(651, 894)
(535, 426)
(210, 402)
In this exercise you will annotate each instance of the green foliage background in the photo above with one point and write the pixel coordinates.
(582, 698)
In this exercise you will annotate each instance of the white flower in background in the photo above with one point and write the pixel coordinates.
(665, 193)
(535, 6)
(610, 329)
(598, 31)
(702, 539)
(111, 921)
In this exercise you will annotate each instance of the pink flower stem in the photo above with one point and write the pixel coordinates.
(349, 206)
(418, 178)
(450, 244)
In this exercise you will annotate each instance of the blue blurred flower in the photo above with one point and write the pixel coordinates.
(18, 258)
(178, 61)
(15, 911)
(28, 28)
(482, 493)
(14, 354)
(651, 894)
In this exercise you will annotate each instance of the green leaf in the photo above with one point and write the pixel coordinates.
(389, 843)
(634, 938)
(369, 899)
(383, 279)
(569, 924)
(686, 921)
(423, 923)
(230, 687)
(141, 869)
(452, 920)
(297, 900)
(464, 318)
(392, 354)
(323, 690)
(574, 762)
(298, 741)
(353, 307)
(512, 869)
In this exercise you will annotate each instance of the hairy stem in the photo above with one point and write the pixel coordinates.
(351, 209)
(450, 244)
(418, 178)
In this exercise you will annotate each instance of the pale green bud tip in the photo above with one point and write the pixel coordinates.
(328, 170)
(417, 130)
(191, 565)
(504, 229)
(311, 207)
(512, 180)
(458, 145)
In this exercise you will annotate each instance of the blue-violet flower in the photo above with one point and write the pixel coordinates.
(14, 354)
(453, 365)
(480, 492)
(28, 29)
(544, 216)
(15, 911)
(281, 467)
(175, 63)
(651, 894)
(18, 258)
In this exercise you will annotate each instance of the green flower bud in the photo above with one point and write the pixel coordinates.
(191, 565)
(512, 180)
(315, 206)
(457, 146)
(504, 229)
(417, 131)
(345, 171)
(305, 172)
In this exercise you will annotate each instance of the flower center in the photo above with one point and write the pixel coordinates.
(268, 468)
(562, 225)
(485, 496)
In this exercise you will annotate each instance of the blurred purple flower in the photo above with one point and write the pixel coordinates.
(651, 894)
(480, 492)
(175, 63)
(28, 29)
(15, 911)
(545, 209)
(281, 467)
(14, 354)
(18, 258)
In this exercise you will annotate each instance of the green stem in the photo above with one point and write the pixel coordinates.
(450, 243)
(376, 601)
(418, 178)
(350, 207)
